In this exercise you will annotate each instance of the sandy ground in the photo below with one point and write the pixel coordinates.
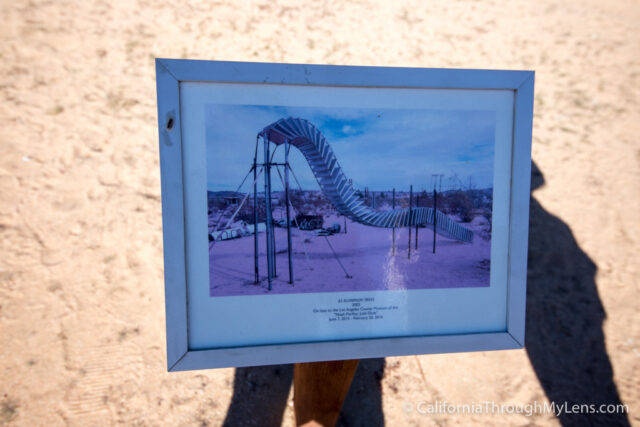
(81, 272)
(364, 253)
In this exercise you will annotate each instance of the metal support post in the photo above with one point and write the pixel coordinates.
(267, 201)
(417, 205)
(256, 277)
(393, 232)
(410, 218)
(286, 200)
(435, 216)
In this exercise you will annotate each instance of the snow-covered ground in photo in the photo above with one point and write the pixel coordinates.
(365, 253)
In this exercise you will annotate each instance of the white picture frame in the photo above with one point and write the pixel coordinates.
(173, 79)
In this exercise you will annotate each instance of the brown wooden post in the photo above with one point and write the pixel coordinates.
(320, 389)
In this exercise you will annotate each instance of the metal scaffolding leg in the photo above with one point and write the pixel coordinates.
(256, 277)
(273, 230)
(393, 233)
(435, 216)
(273, 227)
(304, 246)
(338, 259)
(286, 200)
(417, 205)
(267, 201)
(410, 218)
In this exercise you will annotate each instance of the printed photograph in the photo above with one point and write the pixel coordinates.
(307, 199)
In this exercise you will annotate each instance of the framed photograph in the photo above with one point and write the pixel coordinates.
(317, 212)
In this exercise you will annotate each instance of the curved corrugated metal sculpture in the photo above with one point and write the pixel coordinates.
(316, 149)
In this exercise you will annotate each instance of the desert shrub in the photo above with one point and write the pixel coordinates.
(461, 205)
(488, 216)
(246, 214)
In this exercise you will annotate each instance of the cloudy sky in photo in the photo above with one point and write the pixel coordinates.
(377, 148)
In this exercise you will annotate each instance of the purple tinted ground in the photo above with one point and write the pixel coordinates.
(366, 254)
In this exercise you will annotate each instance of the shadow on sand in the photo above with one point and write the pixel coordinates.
(260, 396)
(564, 341)
(564, 337)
